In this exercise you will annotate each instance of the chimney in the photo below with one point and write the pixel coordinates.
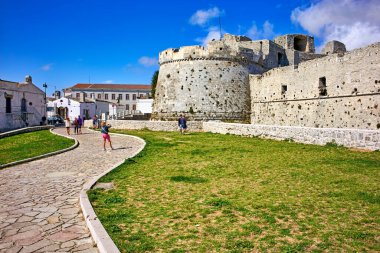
(81, 97)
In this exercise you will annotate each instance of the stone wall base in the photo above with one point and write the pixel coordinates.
(352, 138)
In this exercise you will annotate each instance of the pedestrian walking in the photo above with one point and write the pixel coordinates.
(182, 124)
(95, 122)
(67, 125)
(80, 122)
(105, 135)
(75, 125)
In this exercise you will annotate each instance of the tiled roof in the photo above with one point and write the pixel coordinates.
(86, 86)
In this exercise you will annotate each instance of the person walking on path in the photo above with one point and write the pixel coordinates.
(67, 125)
(182, 124)
(80, 122)
(95, 122)
(76, 125)
(105, 135)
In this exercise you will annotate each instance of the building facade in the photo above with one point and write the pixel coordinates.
(72, 107)
(21, 104)
(123, 96)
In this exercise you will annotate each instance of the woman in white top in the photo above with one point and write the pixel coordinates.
(67, 124)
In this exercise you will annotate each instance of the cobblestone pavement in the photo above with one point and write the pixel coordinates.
(39, 206)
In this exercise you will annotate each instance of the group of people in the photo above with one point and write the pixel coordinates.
(78, 122)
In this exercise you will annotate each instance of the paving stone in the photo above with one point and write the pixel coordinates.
(25, 218)
(6, 245)
(36, 246)
(50, 248)
(53, 219)
(63, 236)
(68, 244)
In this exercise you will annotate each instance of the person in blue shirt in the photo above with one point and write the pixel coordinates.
(182, 124)
(105, 135)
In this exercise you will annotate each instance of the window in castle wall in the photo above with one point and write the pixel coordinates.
(8, 105)
(284, 89)
(322, 86)
(106, 96)
(120, 96)
(126, 96)
(279, 59)
(99, 96)
(134, 97)
(113, 96)
(127, 107)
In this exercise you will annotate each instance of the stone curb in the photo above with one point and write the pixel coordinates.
(76, 144)
(103, 241)
(24, 130)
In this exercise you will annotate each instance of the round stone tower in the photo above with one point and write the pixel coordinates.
(206, 83)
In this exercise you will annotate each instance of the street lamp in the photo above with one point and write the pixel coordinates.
(44, 117)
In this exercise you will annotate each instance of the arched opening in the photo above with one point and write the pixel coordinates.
(300, 43)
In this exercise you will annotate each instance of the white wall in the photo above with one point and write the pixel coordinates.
(144, 105)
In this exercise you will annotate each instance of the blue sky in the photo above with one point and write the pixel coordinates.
(64, 42)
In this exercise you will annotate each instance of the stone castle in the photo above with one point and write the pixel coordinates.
(281, 82)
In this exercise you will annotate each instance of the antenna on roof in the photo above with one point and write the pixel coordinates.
(220, 27)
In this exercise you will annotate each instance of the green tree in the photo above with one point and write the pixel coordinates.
(154, 82)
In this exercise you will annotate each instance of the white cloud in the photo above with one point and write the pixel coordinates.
(148, 61)
(265, 33)
(201, 17)
(108, 81)
(356, 23)
(213, 34)
(47, 67)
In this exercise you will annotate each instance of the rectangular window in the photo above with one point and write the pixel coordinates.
(106, 96)
(92, 95)
(8, 105)
(77, 95)
(284, 89)
(120, 96)
(322, 86)
(85, 94)
(134, 96)
(113, 97)
(134, 107)
(127, 107)
(126, 96)
(99, 96)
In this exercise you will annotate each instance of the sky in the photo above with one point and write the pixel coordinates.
(65, 42)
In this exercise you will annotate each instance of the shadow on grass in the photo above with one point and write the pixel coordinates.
(191, 180)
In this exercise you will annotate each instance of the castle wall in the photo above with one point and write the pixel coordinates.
(290, 96)
(204, 89)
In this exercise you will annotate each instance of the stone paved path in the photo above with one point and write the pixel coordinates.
(39, 206)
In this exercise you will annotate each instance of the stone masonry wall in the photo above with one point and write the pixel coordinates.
(354, 138)
(203, 89)
(290, 96)
(193, 126)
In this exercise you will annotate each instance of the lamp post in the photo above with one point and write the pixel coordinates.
(44, 117)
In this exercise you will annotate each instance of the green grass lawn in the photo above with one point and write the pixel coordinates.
(27, 145)
(206, 192)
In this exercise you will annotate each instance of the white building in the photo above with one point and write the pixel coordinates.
(70, 107)
(21, 104)
(123, 96)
